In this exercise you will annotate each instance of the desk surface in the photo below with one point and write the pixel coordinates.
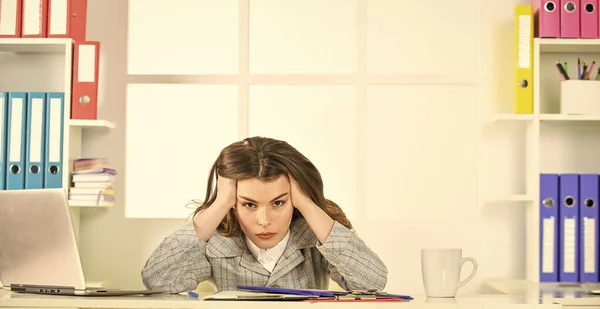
(566, 295)
(15, 300)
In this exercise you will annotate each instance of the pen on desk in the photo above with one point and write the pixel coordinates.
(193, 294)
(562, 71)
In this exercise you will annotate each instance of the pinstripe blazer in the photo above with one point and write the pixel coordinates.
(181, 261)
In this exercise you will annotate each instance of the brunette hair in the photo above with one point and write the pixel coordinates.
(266, 159)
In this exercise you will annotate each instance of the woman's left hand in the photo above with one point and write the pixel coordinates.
(299, 199)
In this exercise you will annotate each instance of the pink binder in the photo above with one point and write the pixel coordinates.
(589, 19)
(549, 19)
(570, 18)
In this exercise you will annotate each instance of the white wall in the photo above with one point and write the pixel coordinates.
(114, 248)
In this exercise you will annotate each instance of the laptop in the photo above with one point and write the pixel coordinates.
(38, 250)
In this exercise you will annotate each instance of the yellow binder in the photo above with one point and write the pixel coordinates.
(523, 59)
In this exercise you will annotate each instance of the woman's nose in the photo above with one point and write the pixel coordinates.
(263, 217)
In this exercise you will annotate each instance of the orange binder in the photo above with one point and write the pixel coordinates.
(86, 59)
(35, 19)
(10, 18)
(67, 19)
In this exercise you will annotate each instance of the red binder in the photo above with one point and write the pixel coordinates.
(35, 19)
(86, 60)
(10, 18)
(67, 19)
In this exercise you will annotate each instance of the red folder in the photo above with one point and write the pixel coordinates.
(570, 18)
(67, 19)
(86, 60)
(10, 18)
(35, 19)
(589, 19)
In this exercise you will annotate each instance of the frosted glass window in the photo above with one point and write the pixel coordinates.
(319, 121)
(173, 135)
(418, 158)
(183, 37)
(308, 36)
(422, 37)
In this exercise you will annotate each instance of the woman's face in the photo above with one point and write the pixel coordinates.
(264, 210)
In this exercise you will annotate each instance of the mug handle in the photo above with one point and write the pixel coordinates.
(462, 262)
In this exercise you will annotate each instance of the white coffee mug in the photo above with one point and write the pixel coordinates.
(441, 269)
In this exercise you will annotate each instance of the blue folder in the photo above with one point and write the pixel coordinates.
(317, 293)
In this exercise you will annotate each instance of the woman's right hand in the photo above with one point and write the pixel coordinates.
(226, 192)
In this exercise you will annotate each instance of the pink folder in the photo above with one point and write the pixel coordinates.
(589, 19)
(570, 18)
(549, 19)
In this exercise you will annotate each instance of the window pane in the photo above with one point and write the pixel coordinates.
(319, 121)
(418, 154)
(419, 37)
(185, 37)
(174, 133)
(308, 36)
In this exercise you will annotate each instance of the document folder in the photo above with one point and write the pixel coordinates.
(588, 228)
(523, 56)
(549, 206)
(15, 150)
(569, 227)
(3, 137)
(35, 132)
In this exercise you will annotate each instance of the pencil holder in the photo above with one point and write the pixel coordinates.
(580, 97)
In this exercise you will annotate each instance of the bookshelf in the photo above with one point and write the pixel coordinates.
(45, 64)
(553, 142)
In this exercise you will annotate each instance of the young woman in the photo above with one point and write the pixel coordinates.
(267, 223)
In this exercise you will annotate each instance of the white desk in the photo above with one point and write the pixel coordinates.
(568, 296)
(17, 300)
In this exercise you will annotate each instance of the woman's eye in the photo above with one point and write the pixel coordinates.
(278, 203)
(249, 205)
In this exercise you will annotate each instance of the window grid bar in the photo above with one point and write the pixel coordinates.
(361, 105)
(244, 58)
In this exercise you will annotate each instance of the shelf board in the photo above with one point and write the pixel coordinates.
(513, 117)
(564, 45)
(34, 45)
(83, 123)
(566, 117)
(89, 204)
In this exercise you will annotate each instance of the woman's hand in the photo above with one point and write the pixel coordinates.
(226, 192)
(299, 198)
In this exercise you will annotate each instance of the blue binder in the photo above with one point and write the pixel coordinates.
(15, 150)
(3, 136)
(53, 163)
(588, 227)
(549, 218)
(34, 153)
(569, 228)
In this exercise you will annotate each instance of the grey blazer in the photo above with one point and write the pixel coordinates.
(182, 261)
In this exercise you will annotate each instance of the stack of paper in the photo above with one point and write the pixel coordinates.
(93, 181)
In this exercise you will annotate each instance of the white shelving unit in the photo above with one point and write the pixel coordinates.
(552, 138)
(45, 64)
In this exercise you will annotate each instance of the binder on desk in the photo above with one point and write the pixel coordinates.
(589, 19)
(570, 19)
(53, 162)
(84, 103)
(67, 19)
(549, 218)
(549, 19)
(3, 136)
(34, 153)
(589, 186)
(569, 222)
(523, 59)
(15, 150)
(10, 18)
(34, 19)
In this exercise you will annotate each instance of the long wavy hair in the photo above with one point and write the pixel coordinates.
(266, 159)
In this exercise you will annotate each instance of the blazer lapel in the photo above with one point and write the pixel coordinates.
(290, 258)
(301, 237)
(249, 262)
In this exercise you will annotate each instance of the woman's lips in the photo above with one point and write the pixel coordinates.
(265, 235)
